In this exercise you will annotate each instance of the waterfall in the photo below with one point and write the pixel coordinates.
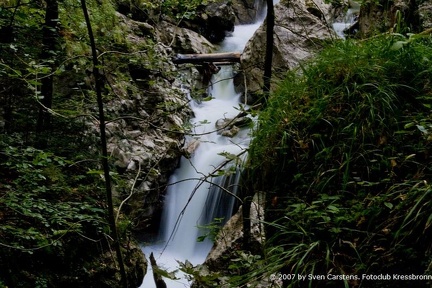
(220, 205)
(191, 202)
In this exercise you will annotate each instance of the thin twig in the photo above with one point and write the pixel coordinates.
(202, 181)
(130, 193)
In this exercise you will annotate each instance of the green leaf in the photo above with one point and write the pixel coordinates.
(333, 208)
(398, 45)
(97, 172)
(409, 125)
(388, 205)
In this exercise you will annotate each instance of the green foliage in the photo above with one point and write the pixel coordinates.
(176, 9)
(181, 9)
(245, 263)
(105, 24)
(47, 207)
(200, 274)
(343, 151)
(17, 50)
(22, 71)
(211, 230)
(34, 186)
(52, 214)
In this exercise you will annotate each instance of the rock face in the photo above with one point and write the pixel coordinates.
(221, 19)
(384, 16)
(108, 275)
(150, 110)
(322, 10)
(297, 36)
(425, 14)
(247, 11)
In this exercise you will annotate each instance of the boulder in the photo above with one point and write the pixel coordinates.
(230, 237)
(220, 20)
(190, 147)
(183, 40)
(229, 127)
(137, 28)
(105, 272)
(298, 35)
(320, 9)
(214, 21)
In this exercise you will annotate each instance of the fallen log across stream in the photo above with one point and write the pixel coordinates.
(229, 57)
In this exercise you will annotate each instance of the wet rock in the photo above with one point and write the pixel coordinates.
(249, 98)
(233, 131)
(106, 272)
(221, 19)
(190, 147)
(247, 11)
(229, 127)
(214, 21)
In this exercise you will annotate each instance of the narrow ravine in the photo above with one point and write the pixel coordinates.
(190, 201)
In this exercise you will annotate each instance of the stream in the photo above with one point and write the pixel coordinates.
(191, 200)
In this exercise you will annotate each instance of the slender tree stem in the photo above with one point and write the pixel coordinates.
(269, 48)
(98, 81)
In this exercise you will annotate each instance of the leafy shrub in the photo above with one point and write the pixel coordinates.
(343, 151)
(49, 214)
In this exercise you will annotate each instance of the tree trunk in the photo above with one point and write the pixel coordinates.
(269, 48)
(48, 55)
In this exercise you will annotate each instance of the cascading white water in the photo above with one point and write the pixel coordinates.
(186, 200)
(348, 19)
(189, 201)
